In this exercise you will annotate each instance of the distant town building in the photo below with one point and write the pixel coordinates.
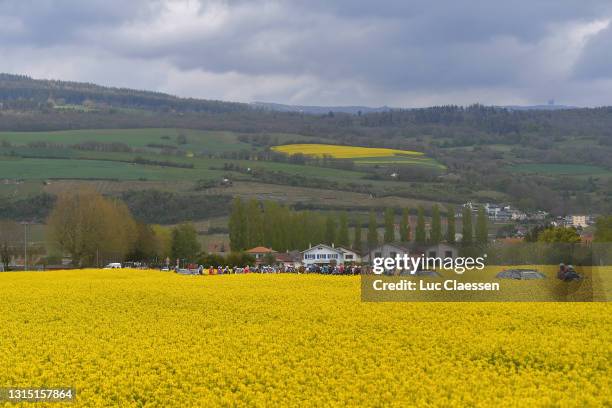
(578, 221)
(506, 213)
(538, 216)
(497, 212)
(517, 215)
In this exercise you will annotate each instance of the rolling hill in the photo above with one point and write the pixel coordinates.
(20, 91)
(58, 132)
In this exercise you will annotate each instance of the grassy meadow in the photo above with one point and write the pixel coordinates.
(213, 141)
(23, 161)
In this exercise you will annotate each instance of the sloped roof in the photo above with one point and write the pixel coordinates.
(393, 244)
(510, 240)
(292, 256)
(344, 249)
(260, 250)
(325, 246)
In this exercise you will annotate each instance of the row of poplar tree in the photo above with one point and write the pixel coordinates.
(270, 224)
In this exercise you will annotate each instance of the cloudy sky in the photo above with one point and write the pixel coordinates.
(403, 53)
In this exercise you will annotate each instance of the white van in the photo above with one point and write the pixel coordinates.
(113, 265)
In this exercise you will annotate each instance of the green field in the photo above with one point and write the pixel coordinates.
(400, 160)
(560, 169)
(197, 140)
(107, 168)
(23, 162)
(42, 169)
(302, 170)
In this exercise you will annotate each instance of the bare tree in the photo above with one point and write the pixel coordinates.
(10, 237)
(85, 224)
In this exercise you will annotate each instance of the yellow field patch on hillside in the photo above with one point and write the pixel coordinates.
(148, 338)
(342, 152)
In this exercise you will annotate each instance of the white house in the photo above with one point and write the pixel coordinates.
(386, 251)
(498, 212)
(350, 256)
(441, 250)
(323, 255)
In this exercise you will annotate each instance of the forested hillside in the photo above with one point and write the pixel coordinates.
(22, 92)
(556, 160)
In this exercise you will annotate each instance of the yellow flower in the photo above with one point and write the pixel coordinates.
(148, 338)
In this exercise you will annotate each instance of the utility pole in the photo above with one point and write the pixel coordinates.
(25, 246)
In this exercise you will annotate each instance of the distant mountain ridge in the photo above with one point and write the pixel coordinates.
(319, 110)
(24, 92)
(539, 107)
(21, 91)
(355, 110)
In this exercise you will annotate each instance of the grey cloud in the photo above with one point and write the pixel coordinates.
(386, 50)
(596, 59)
(54, 22)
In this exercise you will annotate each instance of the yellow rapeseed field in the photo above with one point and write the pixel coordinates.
(342, 152)
(148, 338)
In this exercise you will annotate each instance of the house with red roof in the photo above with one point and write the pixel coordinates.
(260, 252)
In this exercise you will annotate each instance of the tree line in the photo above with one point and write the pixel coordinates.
(254, 223)
(93, 229)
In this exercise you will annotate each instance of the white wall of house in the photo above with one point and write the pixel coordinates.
(386, 251)
(322, 254)
(391, 251)
(350, 256)
(442, 250)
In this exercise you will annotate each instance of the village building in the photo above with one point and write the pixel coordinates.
(517, 215)
(498, 212)
(441, 250)
(538, 216)
(323, 254)
(289, 259)
(260, 253)
(391, 250)
(578, 221)
(350, 256)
